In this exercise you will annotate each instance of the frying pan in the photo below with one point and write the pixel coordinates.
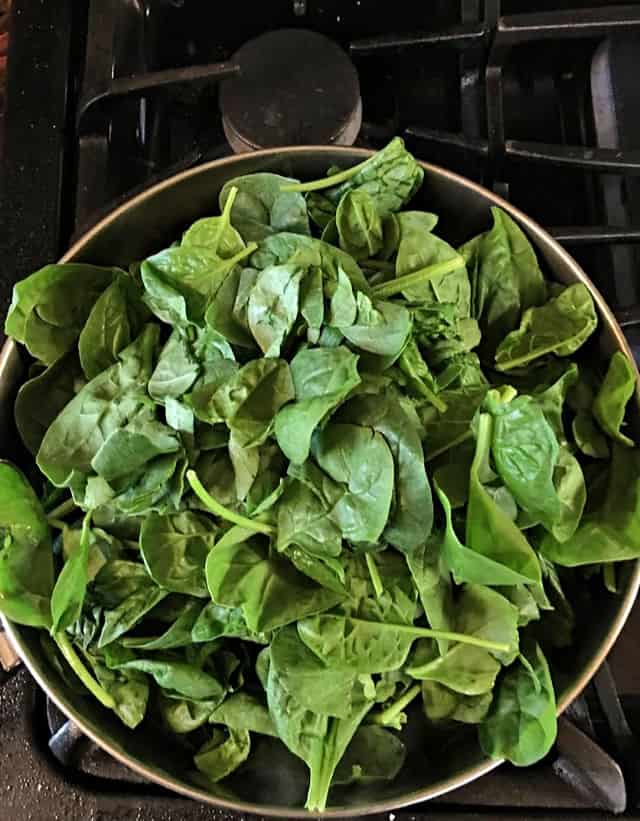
(273, 783)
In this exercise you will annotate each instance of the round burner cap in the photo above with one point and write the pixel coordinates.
(295, 87)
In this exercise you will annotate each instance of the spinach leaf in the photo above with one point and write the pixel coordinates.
(443, 431)
(103, 406)
(507, 279)
(319, 740)
(313, 684)
(525, 451)
(129, 690)
(243, 711)
(216, 233)
(273, 306)
(176, 370)
(485, 614)
(174, 550)
(391, 177)
(305, 520)
(178, 634)
(215, 622)
(249, 401)
(467, 565)
(223, 753)
(411, 517)
(359, 225)
(49, 308)
(572, 493)
(127, 450)
(421, 250)
(441, 703)
(261, 208)
(471, 671)
(26, 560)
(559, 327)
(551, 399)
(611, 530)
(115, 320)
(431, 578)
(380, 327)
(42, 398)
(285, 247)
(178, 678)
(588, 436)
(322, 379)
(358, 459)
(374, 754)
(611, 400)
(489, 531)
(521, 724)
(269, 590)
(127, 594)
(69, 591)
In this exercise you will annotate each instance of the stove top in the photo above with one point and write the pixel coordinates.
(537, 102)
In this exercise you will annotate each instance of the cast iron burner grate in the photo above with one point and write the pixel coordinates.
(540, 103)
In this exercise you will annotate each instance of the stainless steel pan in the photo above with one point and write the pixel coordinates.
(276, 785)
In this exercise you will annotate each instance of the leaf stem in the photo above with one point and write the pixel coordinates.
(225, 217)
(378, 264)
(81, 671)
(419, 277)
(62, 509)
(223, 512)
(376, 581)
(326, 182)
(246, 252)
(427, 632)
(388, 715)
(57, 523)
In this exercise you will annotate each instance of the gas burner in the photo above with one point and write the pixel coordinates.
(295, 87)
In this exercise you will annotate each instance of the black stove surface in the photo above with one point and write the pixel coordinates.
(539, 103)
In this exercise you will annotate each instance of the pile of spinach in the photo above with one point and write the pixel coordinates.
(309, 466)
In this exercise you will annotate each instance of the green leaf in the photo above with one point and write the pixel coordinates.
(358, 459)
(273, 306)
(443, 431)
(525, 451)
(269, 590)
(432, 580)
(178, 634)
(178, 677)
(611, 530)
(559, 327)
(69, 591)
(359, 224)
(26, 560)
(471, 671)
(128, 594)
(611, 400)
(469, 565)
(322, 379)
(411, 518)
(216, 233)
(440, 703)
(223, 753)
(380, 328)
(420, 250)
(374, 754)
(243, 711)
(115, 320)
(249, 401)
(174, 550)
(127, 450)
(176, 370)
(572, 493)
(42, 398)
(215, 622)
(588, 436)
(390, 177)
(506, 278)
(104, 405)
(49, 308)
(489, 530)
(521, 725)
(305, 520)
(261, 208)
(314, 685)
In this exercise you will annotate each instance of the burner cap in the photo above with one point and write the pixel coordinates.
(295, 87)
